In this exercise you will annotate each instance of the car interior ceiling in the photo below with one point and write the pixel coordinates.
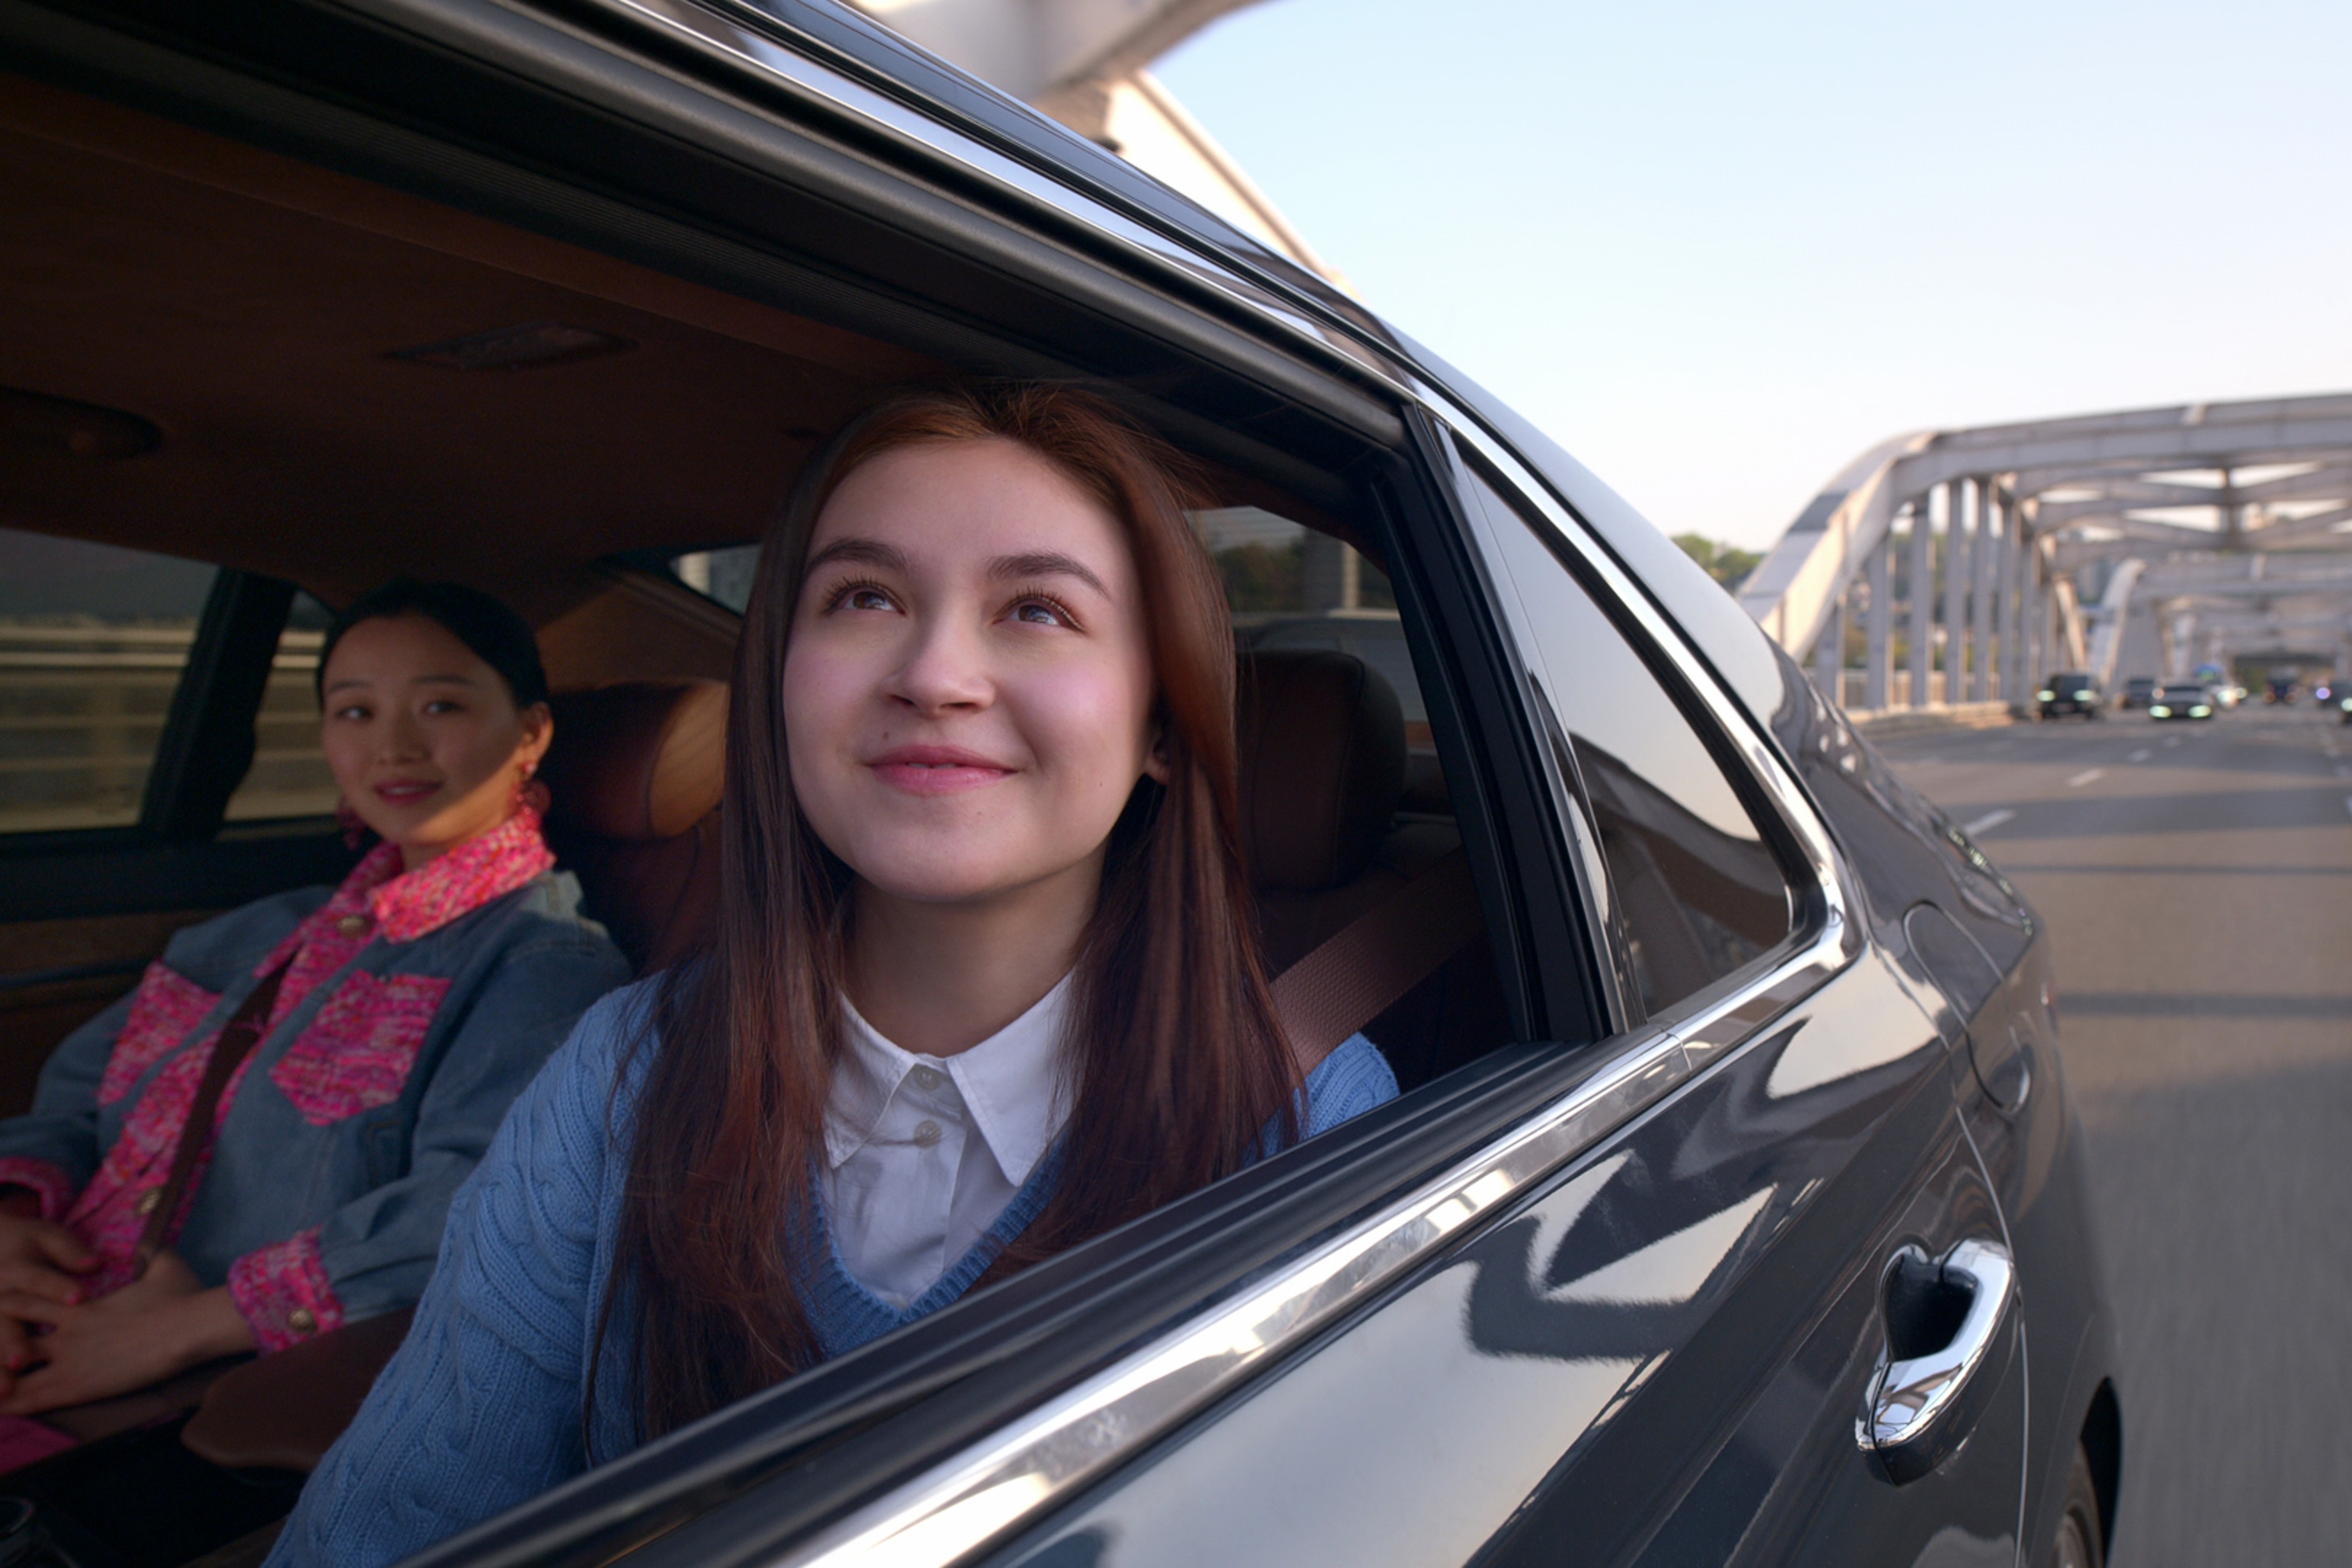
(328, 382)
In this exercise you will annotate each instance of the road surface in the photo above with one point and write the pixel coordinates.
(2198, 882)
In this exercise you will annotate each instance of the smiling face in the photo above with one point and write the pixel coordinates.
(423, 737)
(968, 686)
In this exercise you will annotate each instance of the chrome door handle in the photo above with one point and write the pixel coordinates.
(1923, 1404)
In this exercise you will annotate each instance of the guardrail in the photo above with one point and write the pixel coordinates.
(82, 709)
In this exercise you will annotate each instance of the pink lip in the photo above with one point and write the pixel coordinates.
(404, 792)
(936, 770)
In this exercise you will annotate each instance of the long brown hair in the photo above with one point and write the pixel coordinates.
(1178, 1060)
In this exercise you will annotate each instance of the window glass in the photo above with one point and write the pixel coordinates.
(289, 776)
(1697, 892)
(1291, 587)
(92, 642)
(723, 576)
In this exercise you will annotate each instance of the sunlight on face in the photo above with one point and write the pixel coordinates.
(968, 684)
(424, 738)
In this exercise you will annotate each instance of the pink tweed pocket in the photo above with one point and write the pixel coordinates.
(357, 1053)
(167, 1007)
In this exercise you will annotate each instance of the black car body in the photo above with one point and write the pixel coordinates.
(1739, 1214)
(2138, 691)
(2070, 691)
(2183, 699)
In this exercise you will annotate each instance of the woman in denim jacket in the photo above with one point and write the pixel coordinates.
(413, 1002)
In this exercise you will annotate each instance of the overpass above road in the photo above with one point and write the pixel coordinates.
(1972, 563)
(1084, 62)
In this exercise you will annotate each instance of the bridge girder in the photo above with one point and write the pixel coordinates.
(2025, 508)
(1030, 48)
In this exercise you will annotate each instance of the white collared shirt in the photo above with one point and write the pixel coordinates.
(922, 1153)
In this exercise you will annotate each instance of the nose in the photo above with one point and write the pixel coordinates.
(401, 739)
(945, 669)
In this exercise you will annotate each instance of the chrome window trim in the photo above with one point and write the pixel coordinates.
(1036, 1461)
(1779, 786)
(715, 34)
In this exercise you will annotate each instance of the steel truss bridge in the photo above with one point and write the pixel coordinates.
(1976, 562)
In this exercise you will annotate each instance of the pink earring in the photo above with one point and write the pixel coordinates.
(530, 793)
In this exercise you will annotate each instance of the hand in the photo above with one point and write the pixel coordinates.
(163, 1322)
(38, 1259)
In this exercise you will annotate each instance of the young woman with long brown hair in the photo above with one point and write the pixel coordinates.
(983, 981)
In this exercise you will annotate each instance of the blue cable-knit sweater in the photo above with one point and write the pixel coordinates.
(481, 1408)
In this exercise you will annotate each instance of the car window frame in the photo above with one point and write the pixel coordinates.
(176, 854)
(1789, 823)
(1324, 1232)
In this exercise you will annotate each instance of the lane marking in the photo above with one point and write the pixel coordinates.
(2142, 754)
(2085, 776)
(1992, 819)
(2172, 740)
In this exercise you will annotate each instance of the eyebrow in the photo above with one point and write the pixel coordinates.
(1045, 563)
(870, 552)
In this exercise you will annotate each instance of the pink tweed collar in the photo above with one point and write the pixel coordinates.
(406, 905)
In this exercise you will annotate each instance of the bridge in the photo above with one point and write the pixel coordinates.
(1974, 561)
(1085, 63)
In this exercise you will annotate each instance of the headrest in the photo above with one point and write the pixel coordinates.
(1322, 765)
(637, 760)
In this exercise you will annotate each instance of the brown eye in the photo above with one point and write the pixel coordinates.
(862, 596)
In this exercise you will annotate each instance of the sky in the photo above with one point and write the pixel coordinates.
(1718, 250)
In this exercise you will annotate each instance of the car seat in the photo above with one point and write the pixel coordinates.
(1331, 833)
(633, 781)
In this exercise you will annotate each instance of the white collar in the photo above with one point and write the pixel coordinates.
(1011, 1082)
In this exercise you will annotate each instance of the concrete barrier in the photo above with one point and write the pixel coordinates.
(1889, 723)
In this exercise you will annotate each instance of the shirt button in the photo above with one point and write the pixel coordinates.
(149, 1202)
(926, 1134)
(352, 925)
(302, 1320)
(927, 1078)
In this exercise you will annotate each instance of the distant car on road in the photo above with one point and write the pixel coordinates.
(2345, 704)
(2181, 700)
(2281, 690)
(2069, 691)
(2227, 694)
(2138, 691)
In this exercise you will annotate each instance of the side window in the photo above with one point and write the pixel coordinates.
(1696, 891)
(93, 640)
(289, 776)
(723, 576)
(1289, 586)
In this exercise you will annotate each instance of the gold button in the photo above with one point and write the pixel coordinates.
(352, 925)
(301, 1320)
(149, 1202)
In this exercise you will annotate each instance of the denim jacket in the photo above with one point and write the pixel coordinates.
(413, 1009)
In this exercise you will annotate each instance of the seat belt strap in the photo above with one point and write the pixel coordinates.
(238, 1037)
(1365, 967)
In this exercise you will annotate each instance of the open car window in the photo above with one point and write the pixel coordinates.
(93, 641)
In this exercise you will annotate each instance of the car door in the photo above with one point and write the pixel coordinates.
(1664, 1352)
